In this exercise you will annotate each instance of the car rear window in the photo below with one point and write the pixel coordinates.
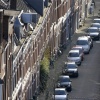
(82, 42)
(73, 55)
(60, 92)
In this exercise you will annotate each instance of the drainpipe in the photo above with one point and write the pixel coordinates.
(1, 34)
(1, 28)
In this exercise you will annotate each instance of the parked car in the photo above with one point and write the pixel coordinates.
(94, 35)
(84, 42)
(96, 25)
(60, 94)
(90, 41)
(96, 20)
(71, 69)
(92, 29)
(80, 48)
(64, 81)
(74, 55)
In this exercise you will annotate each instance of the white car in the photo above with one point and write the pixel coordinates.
(84, 42)
(75, 56)
(96, 20)
(95, 25)
(60, 94)
(80, 48)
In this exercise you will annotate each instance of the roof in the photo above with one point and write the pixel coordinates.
(20, 5)
(4, 4)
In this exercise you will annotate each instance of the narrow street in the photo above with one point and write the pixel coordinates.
(87, 85)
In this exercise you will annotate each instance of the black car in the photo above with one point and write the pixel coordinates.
(94, 36)
(94, 33)
(70, 68)
(65, 82)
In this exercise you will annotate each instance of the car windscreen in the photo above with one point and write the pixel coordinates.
(93, 30)
(80, 49)
(96, 25)
(82, 42)
(60, 92)
(71, 66)
(63, 79)
(73, 54)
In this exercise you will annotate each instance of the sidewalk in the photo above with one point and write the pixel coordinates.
(59, 63)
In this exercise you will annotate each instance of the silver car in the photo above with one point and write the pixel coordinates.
(60, 94)
(75, 56)
(80, 50)
(84, 42)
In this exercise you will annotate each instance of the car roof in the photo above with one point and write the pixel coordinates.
(60, 89)
(97, 19)
(94, 33)
(95, 24)
(83, 38)
(71, 62)
(92, 28)
(74, 51)
(64, 76)
(77, 47)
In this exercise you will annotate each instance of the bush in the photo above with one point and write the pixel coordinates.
(44, 71)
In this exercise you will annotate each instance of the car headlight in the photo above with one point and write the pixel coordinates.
(58, 84)
(69, 85)
(75, 71)
(77, 60)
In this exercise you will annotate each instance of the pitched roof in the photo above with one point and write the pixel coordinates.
(4, 4)
(20, 5)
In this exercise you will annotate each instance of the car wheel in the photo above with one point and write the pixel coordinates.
(82, 58)
(79, 64)
(77, 75)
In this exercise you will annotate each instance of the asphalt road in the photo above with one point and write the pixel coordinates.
(87, 85)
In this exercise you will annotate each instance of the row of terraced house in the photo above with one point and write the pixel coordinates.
(27, 28)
